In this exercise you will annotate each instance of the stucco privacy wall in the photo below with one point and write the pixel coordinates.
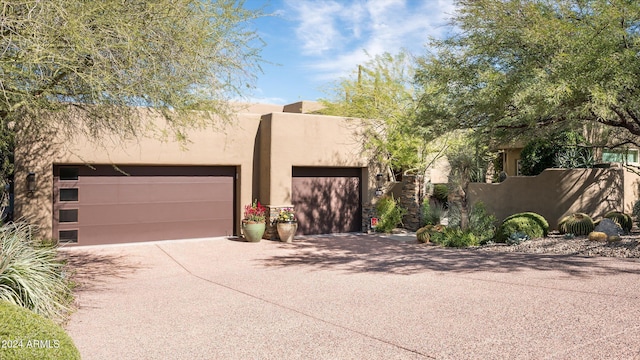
(555, 193)
(288, 140)
(230, 145)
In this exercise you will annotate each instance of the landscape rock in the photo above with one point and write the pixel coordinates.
(609, 227)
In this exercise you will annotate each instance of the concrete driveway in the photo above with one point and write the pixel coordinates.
(349, 297)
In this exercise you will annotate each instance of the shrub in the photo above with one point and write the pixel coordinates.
(390, 214)
(576, 224)
(636, 211)
(452, 237)
(432, 213)
(531, 224)
(481, 223)
(441, 193)
(26, 335)
(620, 218)
(30, 274)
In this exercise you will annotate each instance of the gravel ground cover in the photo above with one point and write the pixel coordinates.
(627, 247)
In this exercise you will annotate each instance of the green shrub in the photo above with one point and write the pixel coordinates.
(636, 211)
(531, 224)
(432, 213)
(26, 335)
(441, 193)
(624, 220)
(454, 237)
(576, 224)
(423, 234)
(30, 274)
(390, 214)
(481, 223)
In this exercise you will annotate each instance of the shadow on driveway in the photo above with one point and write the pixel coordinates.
(91, 271)
(375, 254)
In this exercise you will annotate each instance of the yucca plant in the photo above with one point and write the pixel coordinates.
(576, 224)
(31, 276)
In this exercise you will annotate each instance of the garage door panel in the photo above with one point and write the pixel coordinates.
(126, 233)
(152, 212)
(326, 204)
(131, 190)
(159, 203)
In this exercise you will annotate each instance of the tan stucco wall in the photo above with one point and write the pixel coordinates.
(288, 140)
(511, 161)
(631, 190)
(554, 193)
(263, 148)
(230, 145)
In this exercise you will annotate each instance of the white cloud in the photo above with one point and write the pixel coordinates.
(335, 35)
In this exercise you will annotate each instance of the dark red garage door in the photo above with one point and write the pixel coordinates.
(327, 200)
(110, 204)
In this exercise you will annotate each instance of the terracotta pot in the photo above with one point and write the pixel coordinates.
(253, 232)
(286, 230)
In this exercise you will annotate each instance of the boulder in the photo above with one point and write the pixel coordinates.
(609, 227)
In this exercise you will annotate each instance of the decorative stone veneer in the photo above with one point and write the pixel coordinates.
(368, 211)
(271, 231)
(411, 199)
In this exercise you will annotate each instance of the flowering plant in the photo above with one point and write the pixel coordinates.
(286, 215)
(255, 212)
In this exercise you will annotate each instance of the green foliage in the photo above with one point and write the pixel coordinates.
(454, 237)
(624, 220)
(562, 150)
(481, 223)
(432, 212)
(31, 276)
(26, 335)
(576, 224)
(529, 223)
(441, 193)
(513, 67)
(390, 214)
(636, 211)
(107, 56)
(381, 92)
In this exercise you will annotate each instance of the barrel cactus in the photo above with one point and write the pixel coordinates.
(624, 220)
(423, 234)
(597, 236)
(576, 224)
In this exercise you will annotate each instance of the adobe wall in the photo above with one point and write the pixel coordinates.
(229, 145)
(555, 193)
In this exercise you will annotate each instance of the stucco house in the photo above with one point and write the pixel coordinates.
(82, 193)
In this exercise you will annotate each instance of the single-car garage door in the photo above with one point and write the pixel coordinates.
(327, 200)
(107, 204)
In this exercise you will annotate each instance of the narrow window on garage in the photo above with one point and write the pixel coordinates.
(69, 173)
(69, 194)
(68, 236)
(68, 215)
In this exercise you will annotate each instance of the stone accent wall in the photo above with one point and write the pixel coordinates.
(368, 211)
(411, 199)
(271, 231)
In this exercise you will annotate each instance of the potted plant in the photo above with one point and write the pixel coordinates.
(287, 224)
(253, 224)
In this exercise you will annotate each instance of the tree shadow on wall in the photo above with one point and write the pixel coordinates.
(354, 253)
(326, 205)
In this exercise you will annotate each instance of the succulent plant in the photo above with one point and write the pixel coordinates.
(613, 238)
(597, 236)
(624, 220)
(423, 234)
(577, 224)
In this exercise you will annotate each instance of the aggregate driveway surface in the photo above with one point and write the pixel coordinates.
(349, 297)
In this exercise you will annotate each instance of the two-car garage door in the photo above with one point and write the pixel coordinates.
(114, 204)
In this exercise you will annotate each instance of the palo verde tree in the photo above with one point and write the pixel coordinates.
(512, 66)
(101, 59)
(382, 93)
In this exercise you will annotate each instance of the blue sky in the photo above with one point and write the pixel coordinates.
(313, 43)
